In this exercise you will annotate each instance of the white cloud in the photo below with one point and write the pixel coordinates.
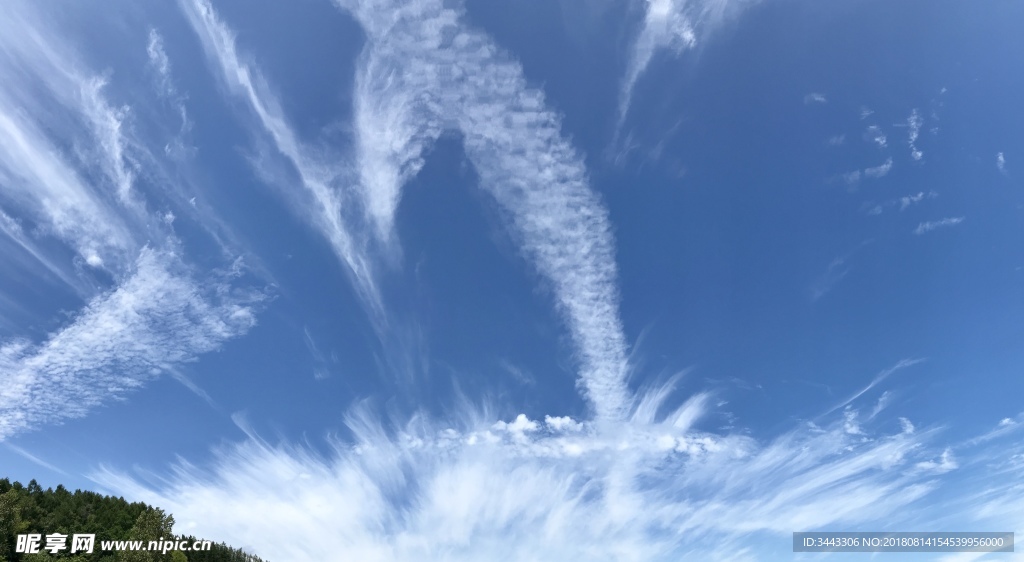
(47, 101)
(836, 140)
(903, 203)
(874, 134)
(638, 481)
(517, 428)
(187, 382)
(34, 458)
(158, 59)
(53, 194)
(35, 256)
(1000, 162)
(942, 223)
(945, 463)
(674, 25)
(909, 200)
(835, 272)
(914, 123)
(850, 424)
(68, 163)
(429, 75)
(876, 172)
(880, 170)
(625, 492)
(883, 402)
(907, 426)
(562, 423)
(881, 376)
(160, 64)
(815, 97)
(323, 181)
(321, 369)
(453, 77)
(156, 318)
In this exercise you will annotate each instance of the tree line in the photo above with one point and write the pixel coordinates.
(26, 510)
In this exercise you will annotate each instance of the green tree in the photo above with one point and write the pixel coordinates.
(11, 523)
(152, 525)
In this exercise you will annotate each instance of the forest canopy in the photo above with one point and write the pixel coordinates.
(28, 510)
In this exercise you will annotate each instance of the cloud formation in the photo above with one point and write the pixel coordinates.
(914, 123)
(144, 307)
(640, 479)
(929, 226)
(815, 97)
(675, 26)
(903, 203)
(324, 198)
(567, 490)
(874, 134)
(879, 171)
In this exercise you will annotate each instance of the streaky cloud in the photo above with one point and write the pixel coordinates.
(914, 122)
(34, 458)
(879, 171)
(526, 490)
(929, 226)
(675, 26)
(433, 72)
(144, 307)
(158, 317)
(323, 183)
(815, 97)
(881, 376)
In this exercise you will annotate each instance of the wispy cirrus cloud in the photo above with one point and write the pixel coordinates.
(1001, 162)
(676, 26)
(639, 480)
(879, 171)
(903, 203)
(815, 97)
(54, 195)
(909, 200)
(159, 61)
(69, 168)
(568, 490)
(914, 123)
(874, 134)
(835, 272)
(460, 79)
(853, 177)
(325, 198)
(454, 78)
(160, 64)
(29, 456)
(156, 318)
(929, 226)
(901, 364)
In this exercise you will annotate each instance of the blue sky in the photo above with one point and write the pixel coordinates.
(517, 280)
